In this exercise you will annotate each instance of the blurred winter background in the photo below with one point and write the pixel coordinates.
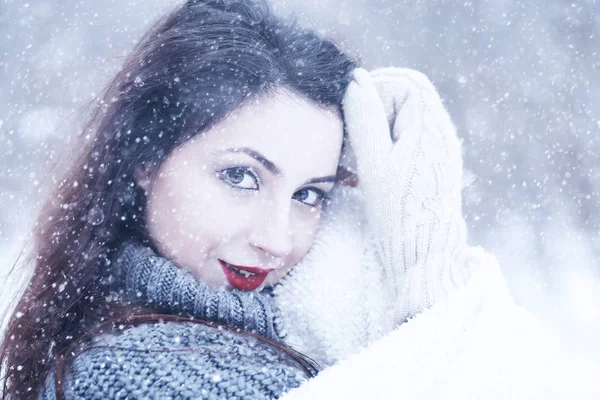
(521, 79)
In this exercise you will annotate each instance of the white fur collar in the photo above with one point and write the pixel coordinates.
(335, 302)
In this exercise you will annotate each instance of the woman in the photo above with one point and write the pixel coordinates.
(202, 174)
(201, 181)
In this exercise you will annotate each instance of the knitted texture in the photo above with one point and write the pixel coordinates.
(140, 276)
(182, 360)
(177, 360)
(410, 169)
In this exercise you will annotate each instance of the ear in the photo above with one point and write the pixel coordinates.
(142, 177)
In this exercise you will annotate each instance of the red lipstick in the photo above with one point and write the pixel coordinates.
(244, 278)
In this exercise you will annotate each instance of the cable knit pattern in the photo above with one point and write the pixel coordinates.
(155, 281)
(410, 169)
(154, 361)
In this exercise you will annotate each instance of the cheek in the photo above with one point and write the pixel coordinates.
(305, 227)
(306, 224)
(189, 216)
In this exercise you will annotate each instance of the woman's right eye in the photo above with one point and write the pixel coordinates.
(241, 178)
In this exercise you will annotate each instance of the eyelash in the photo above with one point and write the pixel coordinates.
(323, 197)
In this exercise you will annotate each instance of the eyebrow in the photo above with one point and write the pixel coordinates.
(274, 169)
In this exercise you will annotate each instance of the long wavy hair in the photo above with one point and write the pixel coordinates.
(193, 68)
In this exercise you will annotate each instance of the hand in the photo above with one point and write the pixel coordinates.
(410, 169)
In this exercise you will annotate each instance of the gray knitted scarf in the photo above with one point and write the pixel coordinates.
(142, 277)
(182, 360)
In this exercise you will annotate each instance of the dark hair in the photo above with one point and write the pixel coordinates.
(188, 72)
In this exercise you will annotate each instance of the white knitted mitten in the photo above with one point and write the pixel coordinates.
(410, 170)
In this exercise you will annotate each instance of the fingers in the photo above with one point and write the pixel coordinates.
(406, 94)
(408, 75)
(421, 125)
(420, 112)
(366, 121)
(406, 101)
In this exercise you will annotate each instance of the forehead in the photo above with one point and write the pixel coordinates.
(287, 129)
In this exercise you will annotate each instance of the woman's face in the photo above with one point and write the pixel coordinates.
(240, 204)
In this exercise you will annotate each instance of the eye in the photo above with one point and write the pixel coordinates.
(241, 178)
(311, 196)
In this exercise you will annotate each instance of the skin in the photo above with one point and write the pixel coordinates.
(205, 205)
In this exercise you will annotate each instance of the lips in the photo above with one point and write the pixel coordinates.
(244, 278)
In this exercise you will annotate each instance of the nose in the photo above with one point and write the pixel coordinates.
(272, 232)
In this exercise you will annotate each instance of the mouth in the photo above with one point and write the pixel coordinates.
(242, 277)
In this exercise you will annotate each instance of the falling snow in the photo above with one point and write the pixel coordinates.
(520, 78)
